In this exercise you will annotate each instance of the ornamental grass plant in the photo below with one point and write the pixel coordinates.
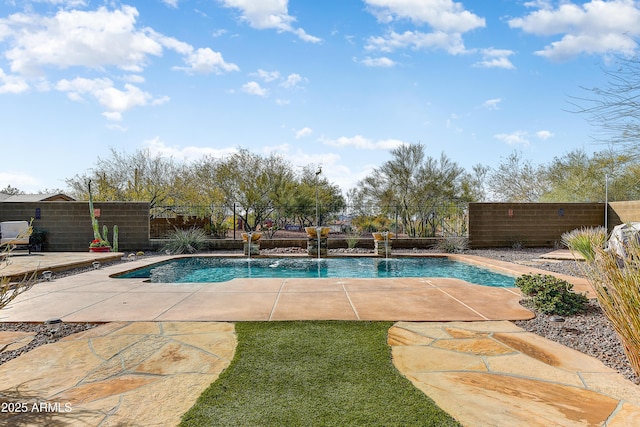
(584, 240)
(616, 282)
(187, 241)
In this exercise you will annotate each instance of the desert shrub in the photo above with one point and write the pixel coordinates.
(551, 295)
(615, 281)
(453, 244)
(187, 241)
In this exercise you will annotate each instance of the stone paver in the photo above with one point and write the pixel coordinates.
(496, 374)
(10, 340)
(142, 374)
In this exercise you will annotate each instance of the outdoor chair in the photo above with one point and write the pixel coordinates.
(15, 233)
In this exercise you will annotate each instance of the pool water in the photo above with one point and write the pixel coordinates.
(214, 269)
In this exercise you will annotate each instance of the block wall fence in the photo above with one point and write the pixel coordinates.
(541, 224)
(68, 224)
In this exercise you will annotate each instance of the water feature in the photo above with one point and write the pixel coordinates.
(250, 243)
(221, 269)
(318, 233)
(386, 244)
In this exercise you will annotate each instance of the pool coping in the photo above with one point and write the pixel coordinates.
(94, 296)
(475, 263)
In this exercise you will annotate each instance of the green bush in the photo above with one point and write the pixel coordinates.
(551, 295)
(186, 241)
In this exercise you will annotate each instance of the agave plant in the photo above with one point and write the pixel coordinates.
(616, 282)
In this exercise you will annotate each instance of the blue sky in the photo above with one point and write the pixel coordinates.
(332, 82)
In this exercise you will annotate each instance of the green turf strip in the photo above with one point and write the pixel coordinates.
(313, 374)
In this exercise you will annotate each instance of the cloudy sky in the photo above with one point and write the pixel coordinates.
(332, 82)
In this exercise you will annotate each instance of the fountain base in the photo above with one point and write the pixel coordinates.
(382, 243)
(382, 248)
(252, 247)
(315, 244)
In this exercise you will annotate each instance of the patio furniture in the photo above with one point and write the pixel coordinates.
(15, 233)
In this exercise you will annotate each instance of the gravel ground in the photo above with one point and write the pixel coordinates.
(590, 333)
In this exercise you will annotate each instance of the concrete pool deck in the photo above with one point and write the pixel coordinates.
(149, 363)
(94, 296)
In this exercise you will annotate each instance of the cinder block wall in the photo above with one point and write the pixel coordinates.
(532, 224)
(623, 212)
(68, 224)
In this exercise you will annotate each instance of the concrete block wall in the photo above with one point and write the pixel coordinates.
(531, 224)
(622, 212)
(68, 224)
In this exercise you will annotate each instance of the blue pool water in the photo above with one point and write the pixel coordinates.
(213, 269)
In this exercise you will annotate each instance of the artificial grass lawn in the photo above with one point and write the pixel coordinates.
(330, 373)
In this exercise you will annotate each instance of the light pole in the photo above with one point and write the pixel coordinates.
(606, 202)
(318, 172)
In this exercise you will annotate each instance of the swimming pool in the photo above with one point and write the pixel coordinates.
(218, 269)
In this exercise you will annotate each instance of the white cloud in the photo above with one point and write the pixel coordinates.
(134, 78)
(361, 142)
(267, 76)
(190, 153)
(96, 40)
(12, 83)
(67, 3)
(595, 27)
(254, 88)
(172, 3)
(492, 104)
(115, 100)
(282, 102)
(515, 138)
(292, 80)
(269, 14)
(544, 134)
(442, 15)
(301, 133)
(382, 61)
(496, 58)
(206, 61)
(452, 43)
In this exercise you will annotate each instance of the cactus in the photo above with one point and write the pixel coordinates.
(105, 234)
(94, 221)
(115, 238)
(104, 237)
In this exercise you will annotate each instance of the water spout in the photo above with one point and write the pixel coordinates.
(318, 233)
(386, 244)
(249, 239)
